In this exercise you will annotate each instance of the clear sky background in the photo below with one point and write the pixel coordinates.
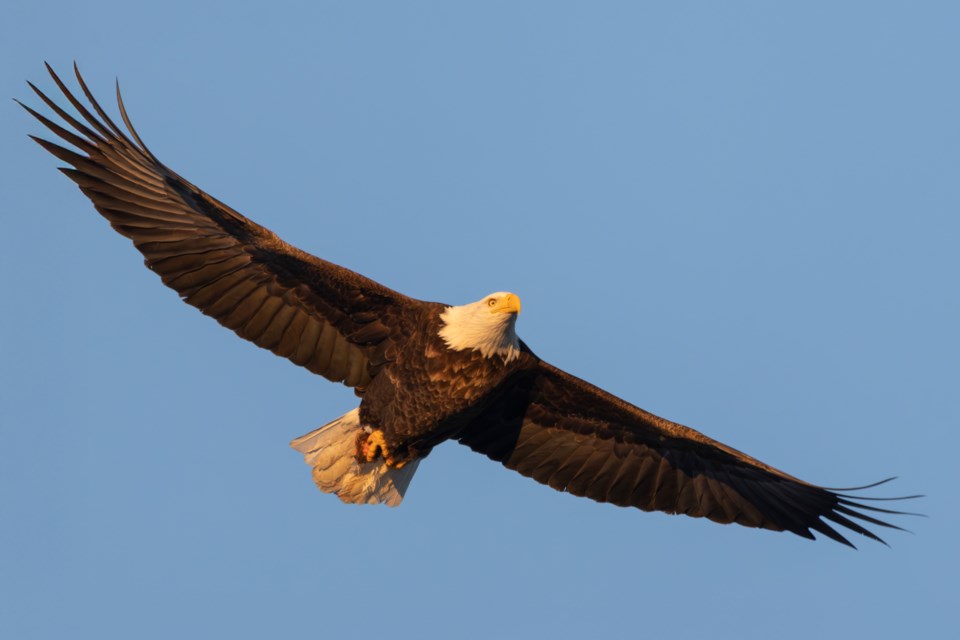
(743, 216)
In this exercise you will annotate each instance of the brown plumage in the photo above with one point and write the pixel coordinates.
(418, 386)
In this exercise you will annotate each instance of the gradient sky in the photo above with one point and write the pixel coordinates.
(740, 216)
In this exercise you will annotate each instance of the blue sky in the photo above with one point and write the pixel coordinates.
(759, 203)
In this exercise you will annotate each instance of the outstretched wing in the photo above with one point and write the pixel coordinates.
(332, 321)
(575, 437)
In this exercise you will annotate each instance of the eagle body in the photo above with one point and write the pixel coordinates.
(430, 392)
(425, 372)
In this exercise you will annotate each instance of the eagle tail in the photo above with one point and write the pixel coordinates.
(331, 451)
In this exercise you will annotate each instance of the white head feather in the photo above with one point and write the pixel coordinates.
(487, 326)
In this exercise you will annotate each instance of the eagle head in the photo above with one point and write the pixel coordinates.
(487, 325)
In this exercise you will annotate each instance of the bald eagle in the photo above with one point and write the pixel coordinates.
(425, 372)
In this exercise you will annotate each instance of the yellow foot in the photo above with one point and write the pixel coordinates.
(393, 464)
(371, 445)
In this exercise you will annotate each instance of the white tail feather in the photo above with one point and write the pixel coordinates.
(331, 451)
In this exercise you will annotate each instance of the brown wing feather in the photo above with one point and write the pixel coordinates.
(575, 437)
(332, 321)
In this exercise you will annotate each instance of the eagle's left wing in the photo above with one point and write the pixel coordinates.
(321, 316)
(575, 437)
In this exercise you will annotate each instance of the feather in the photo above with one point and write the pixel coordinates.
(331, 452)
(578, 438)
(215, 258)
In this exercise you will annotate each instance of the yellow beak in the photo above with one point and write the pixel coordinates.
(510, 304)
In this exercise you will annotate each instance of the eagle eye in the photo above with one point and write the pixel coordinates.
(492, 302)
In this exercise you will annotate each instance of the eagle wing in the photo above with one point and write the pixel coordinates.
(321, 316)
(568, 434)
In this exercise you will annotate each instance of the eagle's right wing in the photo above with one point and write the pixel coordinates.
(568, 434)
(321, 316)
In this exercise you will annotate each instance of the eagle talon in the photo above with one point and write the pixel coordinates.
(393, 464)
(371, 445)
